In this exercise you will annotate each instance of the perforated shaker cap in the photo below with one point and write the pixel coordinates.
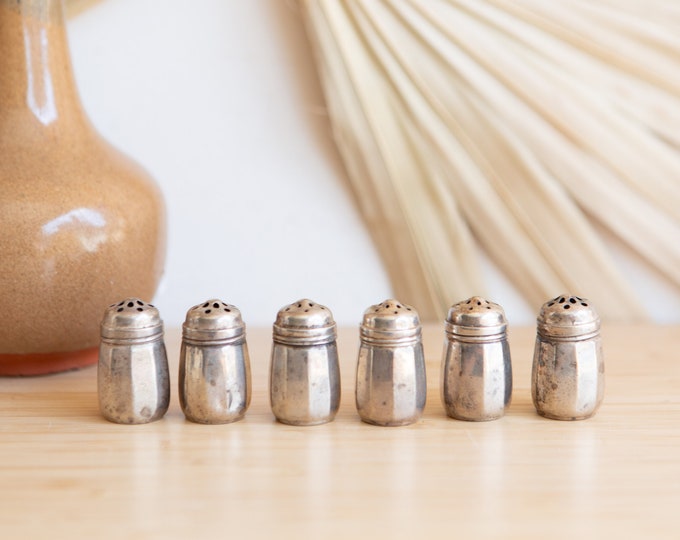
(390, 323)
(213, 321)
(475, 317)
(568, 317)
(304, 322)
(131, 319)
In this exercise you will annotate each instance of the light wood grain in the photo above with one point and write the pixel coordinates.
(66, 472)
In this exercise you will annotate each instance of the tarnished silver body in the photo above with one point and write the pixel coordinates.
(133, 381)
(390, 387)
(567, 381)
(476, 376)
(214, 368)
(304, 381)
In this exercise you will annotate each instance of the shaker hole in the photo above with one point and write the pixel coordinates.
(396, 313)
(572, 300)
(488, 307)
(551, 304)
(287, 309)
(310, 304)
(119, 309)
(306, 311)
(562, 300)
(408, 309)
(566, 306)
(151, 305)
(140, 309)
(584, 304)
(227, 310)
(122, 303)
(206, 304)
(479, 303)
(216, 305)
(208, 311)
(299, 305)
(130, 304)
(140, 303)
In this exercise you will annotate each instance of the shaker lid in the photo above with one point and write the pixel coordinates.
(304, 322)
(476, 317)
(131, 318)
(391, 322)
(213, 320)
(568, 316)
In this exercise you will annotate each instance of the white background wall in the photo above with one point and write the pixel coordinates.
(219, 100)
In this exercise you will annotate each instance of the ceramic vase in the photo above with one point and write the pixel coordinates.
(81, 225)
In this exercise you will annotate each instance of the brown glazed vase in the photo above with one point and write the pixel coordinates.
(81, 225)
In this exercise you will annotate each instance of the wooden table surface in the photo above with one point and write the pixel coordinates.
(66, 472)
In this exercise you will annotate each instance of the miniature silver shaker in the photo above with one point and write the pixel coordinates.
(214, 367)
(132, 375)
(304, 381)
(390, 387)
(567, 380)
(476, 378)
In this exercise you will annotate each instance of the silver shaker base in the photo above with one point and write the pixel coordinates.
(133, 383)
(476, 380)
(406, 422)
(391, 386)
(214, 383)
(305, 384)
(568, 379)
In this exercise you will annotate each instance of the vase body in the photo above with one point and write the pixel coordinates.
(81, 225)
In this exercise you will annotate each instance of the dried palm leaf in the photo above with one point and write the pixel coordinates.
(74, 7)
(523, 126)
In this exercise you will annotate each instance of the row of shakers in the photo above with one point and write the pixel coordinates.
(476, 370)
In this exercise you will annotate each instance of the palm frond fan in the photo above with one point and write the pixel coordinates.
(523, 126)
(75, 7)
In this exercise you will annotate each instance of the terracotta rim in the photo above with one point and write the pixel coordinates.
(45, 363)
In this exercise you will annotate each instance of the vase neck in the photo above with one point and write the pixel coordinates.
(36, 78)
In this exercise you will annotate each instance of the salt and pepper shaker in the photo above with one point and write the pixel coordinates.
(476, 375)
(132, 376)
(390, 385)
(305, 376)
(214, 367)
(476, 381)
(567, 381)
